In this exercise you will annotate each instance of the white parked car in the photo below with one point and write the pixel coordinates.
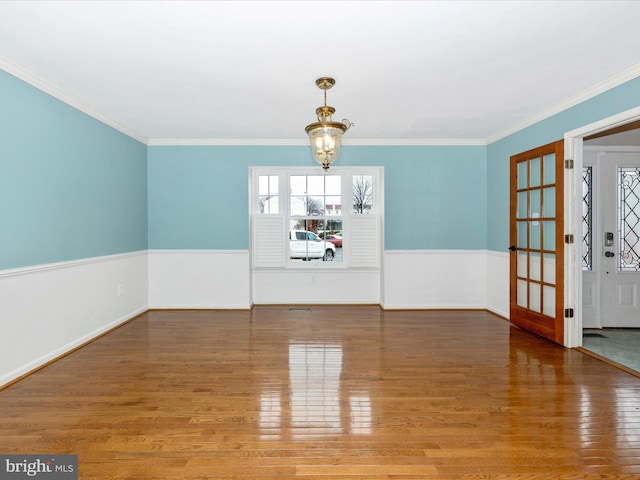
(307, 245)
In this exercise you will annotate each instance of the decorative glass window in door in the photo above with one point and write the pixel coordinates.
(587, 218)
(629, 218)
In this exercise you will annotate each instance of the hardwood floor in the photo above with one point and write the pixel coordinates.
(328, 393)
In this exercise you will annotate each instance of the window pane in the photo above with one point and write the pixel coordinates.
(267, 185)
(263, 185)
(587, 218)
(521, 265)
(315, 206)
(333, 226)
(549, 274)
(549, 300)
(534, 297)
(629, 218)
(521, 293)
(268, 193)
(363, 194)
(549, 235)
(333, 185)
(268, 204)
(315, 185)
(534, 203)
(534, 262)
(523, 206)
(522, 175)
(298, 184)
(535, 235)
(522, 235)
(333, 205)
(550, 169)
(534, 171)
(307, 244)
(298, 205)
(549, 202)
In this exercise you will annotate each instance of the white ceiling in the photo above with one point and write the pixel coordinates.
(405, 71)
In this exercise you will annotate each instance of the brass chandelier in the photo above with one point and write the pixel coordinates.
(325, 135)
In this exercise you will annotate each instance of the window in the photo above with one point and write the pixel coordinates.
(315, 207)
(629, 218)
(587, 218)
(305, 217)
(268, 193)
(362, 194)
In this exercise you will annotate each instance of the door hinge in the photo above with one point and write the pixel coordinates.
(568, 164)
(568, 238)
(568, 312)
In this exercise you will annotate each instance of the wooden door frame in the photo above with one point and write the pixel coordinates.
(573, 147)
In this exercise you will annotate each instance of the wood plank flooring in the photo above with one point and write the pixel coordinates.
(328, 392)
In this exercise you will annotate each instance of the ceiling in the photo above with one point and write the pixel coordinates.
(241, 71)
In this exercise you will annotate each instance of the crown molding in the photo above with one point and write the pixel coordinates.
(224, 142)
(178, 142)
(65, 97)
(597, 89)
(54, 91)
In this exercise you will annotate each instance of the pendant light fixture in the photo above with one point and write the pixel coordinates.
(325, 135)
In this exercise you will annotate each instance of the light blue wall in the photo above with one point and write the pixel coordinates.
(434, 196)
(70, 186)
(611, 102)
(198, 195)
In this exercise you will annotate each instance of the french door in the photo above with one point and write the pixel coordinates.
(537, 242)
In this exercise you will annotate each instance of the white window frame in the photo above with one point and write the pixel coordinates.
(271, 250)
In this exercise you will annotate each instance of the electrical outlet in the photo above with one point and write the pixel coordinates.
(120, 290)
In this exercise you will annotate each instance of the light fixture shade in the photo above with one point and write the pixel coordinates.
(325, 135)
(326, 139)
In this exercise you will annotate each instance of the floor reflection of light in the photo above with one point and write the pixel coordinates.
(270, 415)
(314, 380)
(620, 424)
(627, 405)
(360, 406)
(314, 408)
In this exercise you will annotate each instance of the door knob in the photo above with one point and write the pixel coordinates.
(512, 248)
(609, 254)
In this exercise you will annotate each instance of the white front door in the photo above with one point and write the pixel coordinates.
(618, 241)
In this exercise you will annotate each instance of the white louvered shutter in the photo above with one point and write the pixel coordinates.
(364, 241)
(269, 243)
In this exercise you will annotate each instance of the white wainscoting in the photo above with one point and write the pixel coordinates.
(48, 310)
(199, 279)
(316, 286)
(435, 279)
(498, 283)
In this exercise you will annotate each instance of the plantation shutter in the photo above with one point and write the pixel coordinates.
(269, 242)
(364, 241)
